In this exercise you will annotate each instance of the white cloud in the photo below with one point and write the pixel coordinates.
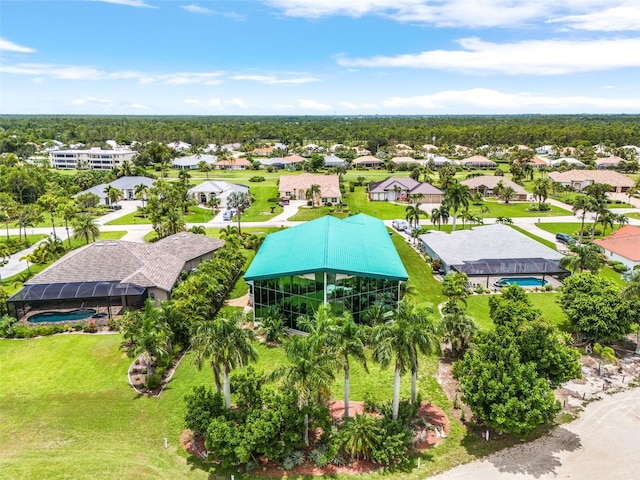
(273, 80)
(313, 105)
(364, 106)
(128, 3)
(215, 102)
(198, 9)
(531, 57)
(470, 13)
(618, 18)
(237, 102)
(92, 100)
(89, 73)
(8, 46)
(492, 101)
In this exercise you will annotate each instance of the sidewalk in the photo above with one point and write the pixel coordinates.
(15, 265)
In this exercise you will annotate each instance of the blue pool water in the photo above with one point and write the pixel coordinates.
(79, 314)
(522, 281)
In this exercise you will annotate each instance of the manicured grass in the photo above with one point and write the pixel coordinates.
(195, 215)
(260, 209)
(359, 203)
(428, 289)
(547, 303)
(306, 214)
(569, 197)
(633, 215)
(514, 210)
(573, 228)
(611, 274)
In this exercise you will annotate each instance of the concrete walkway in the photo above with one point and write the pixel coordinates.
(128, 206)
(603, 443)
(14, 265)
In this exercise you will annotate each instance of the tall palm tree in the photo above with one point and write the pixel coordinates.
(399, 340)
(308, 373)
(607, 218)
(459, 331)
(213, 203)
(85, 227)
(413, 213)
(347, 339)
(69, 212)
(226, 345)
(204, 167)
(240, 201)
(581, 204)
(126, 169)
(313, 193)
(455, 197)
(632, 292)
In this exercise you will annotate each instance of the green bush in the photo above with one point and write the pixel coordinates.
(153, 381)
(202, 405)
(256, 178)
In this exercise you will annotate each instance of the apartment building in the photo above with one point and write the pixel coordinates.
(92, 159)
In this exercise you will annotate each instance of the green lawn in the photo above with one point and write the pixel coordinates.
(547, 303)
(572, 228)
(514, 210)
(260, 209)
(195, 215)
(544, 242)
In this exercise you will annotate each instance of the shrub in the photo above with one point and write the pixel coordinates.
(153, 381)
(91, 327)
(309, 203)
(479, 288)
(352, 187)
(202, 405)
(7, 326)
(257, 178)
(436, 265)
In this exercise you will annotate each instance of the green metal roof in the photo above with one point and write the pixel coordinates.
(358, 245)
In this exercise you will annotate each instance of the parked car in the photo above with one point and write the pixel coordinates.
(565, 238)
(400, 225)
(227, 215)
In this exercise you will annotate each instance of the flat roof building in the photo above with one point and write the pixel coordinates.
(92, 159)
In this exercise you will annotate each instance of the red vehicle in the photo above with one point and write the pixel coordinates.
(285, 201)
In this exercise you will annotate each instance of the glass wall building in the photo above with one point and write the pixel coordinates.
(350, 264)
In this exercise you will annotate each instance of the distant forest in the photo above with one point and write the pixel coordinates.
(370, 131)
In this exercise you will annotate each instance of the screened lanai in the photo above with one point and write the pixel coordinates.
(71, 294)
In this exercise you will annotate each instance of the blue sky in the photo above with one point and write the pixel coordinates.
(319, 57)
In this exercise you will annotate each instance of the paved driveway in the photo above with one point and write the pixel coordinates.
(604, 443)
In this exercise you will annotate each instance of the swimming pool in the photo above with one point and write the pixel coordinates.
(522, 281)
(78, 314)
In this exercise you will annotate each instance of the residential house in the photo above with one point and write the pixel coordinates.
(179, 146)
(368, 161)
(623, 245)
(192, 162)
(126, 185)
(204, 191)
(295, 187)
(235, 164)
(580, 179)
(608, 162)
(574, 163)
(487, 184)
(478, 161)
(395, 189)
(331, 161)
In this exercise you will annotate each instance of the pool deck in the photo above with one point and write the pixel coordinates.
(554, 282)
(116, 310)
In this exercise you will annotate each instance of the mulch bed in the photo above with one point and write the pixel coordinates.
(424, 439)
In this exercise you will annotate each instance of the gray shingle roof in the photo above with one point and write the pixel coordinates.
(147, 265)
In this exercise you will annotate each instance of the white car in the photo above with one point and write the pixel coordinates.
(400, 225)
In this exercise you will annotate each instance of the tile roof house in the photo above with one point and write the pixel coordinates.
(623, 245)
(368, 161)
(478, 161)
(118, 272)
(236, 164)
(580, 179)
(219, 189)
(295, 187)
(408, 160)
(486, 184)
(399, 188)
(575, 163)
(127, 185)
(191, 162)
(608, 162)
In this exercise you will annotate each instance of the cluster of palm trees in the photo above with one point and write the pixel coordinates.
(595, 201)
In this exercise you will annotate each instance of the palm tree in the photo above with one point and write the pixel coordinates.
(69, 212)
(399, 340)
(632, 292)
(483, 210)
(581, 204)
(228, 232)
(362, 434)
(85, 227)
(113, 194)
(584, 257)
(541, 187)
(225, 344)
(504, 220)
(204, 167)
(347, 339)
(147, 334)
(140, 192)
(313, 193)
(240, 201)
(174, 222)
(308, 373)
(459, 331)
(455, 197)
(213, 203)
(621, 219)
(126, 169)
(29, 258)
(507, 194)
(413, 214)
(607, 218)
